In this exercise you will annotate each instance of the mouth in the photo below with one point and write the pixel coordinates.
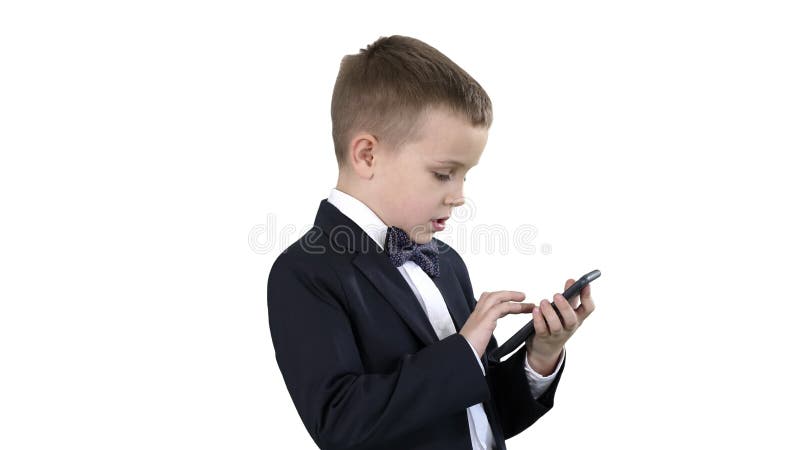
(439, 224)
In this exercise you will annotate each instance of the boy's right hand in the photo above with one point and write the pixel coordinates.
(491, 306)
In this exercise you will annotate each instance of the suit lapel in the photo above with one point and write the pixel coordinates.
(387, 280)
(448, 285)
(394, 288)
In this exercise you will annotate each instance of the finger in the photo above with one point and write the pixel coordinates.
(550, 316)
(586, 292)
(539, 324)
(574, 300)
(587, 303)
(505, 308)
(505, 296)
(489, 299)
(569, 319)
(586, 308)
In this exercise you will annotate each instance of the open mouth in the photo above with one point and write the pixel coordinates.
(439, 224)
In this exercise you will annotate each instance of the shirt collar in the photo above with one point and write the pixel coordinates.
(359, 213)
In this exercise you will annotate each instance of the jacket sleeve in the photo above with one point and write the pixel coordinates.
(510, 390)
(341, 405)
(516, 406)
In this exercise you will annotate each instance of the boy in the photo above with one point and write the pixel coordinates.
(379, 338)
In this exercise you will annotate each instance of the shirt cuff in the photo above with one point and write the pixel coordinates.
(538, 382)
(480, 364)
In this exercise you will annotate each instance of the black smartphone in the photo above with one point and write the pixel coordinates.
(525, 332)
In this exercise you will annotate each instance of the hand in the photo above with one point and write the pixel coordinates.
(491, 306)
(552, 331)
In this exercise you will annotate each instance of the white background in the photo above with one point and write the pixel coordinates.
(158, 155)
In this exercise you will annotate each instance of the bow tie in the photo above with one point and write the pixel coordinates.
(401, 248)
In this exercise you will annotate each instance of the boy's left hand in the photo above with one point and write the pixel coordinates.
(545, 346)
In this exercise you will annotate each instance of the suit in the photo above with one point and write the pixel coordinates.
(363, 365)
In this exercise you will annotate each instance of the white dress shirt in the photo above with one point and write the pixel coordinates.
(434, 306)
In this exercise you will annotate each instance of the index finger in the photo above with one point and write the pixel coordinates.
(504, 296)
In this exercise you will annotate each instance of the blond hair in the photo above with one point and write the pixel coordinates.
(386, 88)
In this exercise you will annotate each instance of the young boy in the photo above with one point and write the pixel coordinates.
(376, 330)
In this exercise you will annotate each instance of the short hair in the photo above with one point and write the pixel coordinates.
(386, 88)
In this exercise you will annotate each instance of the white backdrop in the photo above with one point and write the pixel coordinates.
(158, 155)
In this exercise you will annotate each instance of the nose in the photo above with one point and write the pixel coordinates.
(457, 203)
(457, 198)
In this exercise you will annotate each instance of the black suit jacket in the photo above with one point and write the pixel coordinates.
(362, 363)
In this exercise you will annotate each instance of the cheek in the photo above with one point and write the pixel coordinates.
(412, 208)
(422, 208)
(415, 198)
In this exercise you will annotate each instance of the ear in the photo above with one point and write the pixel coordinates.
(361, 155)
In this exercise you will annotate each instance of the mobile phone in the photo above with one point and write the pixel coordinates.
(525, 332)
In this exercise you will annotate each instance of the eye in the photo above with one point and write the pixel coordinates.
(442, 177)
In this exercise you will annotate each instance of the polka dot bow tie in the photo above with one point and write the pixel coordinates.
(401, 248)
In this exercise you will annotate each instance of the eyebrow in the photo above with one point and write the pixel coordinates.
(452, 162)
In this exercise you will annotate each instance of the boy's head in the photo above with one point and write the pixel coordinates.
(400, 111)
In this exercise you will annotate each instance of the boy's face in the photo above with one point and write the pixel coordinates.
(423, 181)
